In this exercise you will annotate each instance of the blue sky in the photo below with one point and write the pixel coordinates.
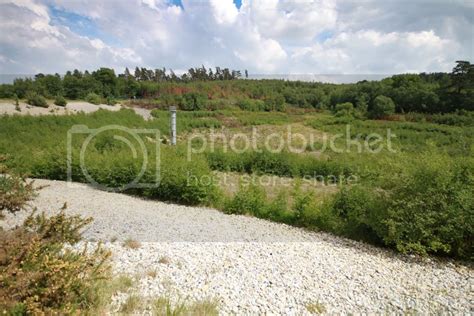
(81, 25)
(266, 37)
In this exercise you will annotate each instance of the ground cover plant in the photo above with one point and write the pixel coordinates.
(39, 272)
(415, 196)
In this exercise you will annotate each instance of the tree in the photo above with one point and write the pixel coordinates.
(137, 73)
(383, 107)
(107, 78)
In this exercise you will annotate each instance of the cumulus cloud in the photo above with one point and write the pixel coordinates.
(31, 44)
(265, 36)
(383, 53)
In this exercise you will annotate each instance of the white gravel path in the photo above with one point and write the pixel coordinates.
(254, 266)
(72, 107)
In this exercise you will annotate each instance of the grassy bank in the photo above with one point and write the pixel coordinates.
(416, 196)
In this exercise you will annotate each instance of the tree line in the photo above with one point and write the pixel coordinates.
(201, 88)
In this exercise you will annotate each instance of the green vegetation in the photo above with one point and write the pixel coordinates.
(32, 98)
(15, 191)
(383, 107)
(109, 162)
(60, 101)
(207, 89)
(132, 304)
(414, 193)
(316, 308)
(163, 306)
(284, 164)
(93, 98)
(39, 274)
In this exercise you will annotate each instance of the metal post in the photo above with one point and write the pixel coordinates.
(173, 125)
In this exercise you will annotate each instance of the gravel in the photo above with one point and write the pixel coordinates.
(72, 107)
(253, 266)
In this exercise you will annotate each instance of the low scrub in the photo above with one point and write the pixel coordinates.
(40, 275)
(15, 191)
(280, 164)
(93, 98)
(60, 101)
(423, 207)
(35, 99)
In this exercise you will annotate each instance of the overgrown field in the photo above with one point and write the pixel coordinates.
(415, 194)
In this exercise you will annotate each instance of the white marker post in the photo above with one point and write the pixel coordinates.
(173, 125)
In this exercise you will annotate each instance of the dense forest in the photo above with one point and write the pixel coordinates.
(202, 88)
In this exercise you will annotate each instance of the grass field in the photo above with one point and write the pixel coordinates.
(411, 189)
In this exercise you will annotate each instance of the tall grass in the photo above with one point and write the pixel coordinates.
(417, 199)
(38, 146)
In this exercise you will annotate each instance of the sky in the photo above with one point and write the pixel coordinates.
(267, 37)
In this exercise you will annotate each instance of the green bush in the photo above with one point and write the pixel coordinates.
(194, 101)
(280, 164)
(275, 102)
(93, 98)
(60, 101)
(251, 105)
(250, 199)
(344, 109)
(424, 206)
(15, 191)
(383, 106)
(33, 98)
(111, 100)
(188, 182)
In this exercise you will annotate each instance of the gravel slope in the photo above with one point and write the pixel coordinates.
(72, 107)
(253, 266)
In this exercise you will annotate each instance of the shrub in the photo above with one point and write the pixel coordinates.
(93, 98)
(187, 182)
(250, 199)
(60, 101)
(279, 164)
(430, 207)
(275, 102)
(344, 109)
(15, 191)
(111, 100)
(251, 105)
(422, 207)
(39, 275)
(383, 106)
(35, 99)
(194, 101)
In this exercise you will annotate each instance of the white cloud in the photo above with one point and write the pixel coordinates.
(264, 36)
(373, 52)
(31, 44)
(289, 20)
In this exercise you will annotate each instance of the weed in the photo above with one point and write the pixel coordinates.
(152, 273)
(164, 260)
(163, 306)
(316, 308)
(132, 304)
(131, 244)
